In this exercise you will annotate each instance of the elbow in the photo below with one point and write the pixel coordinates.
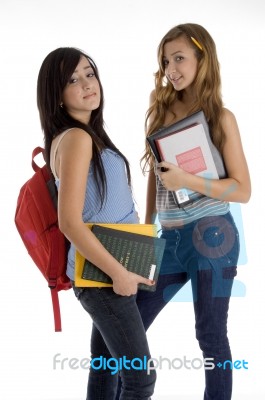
(245, 194)
(246, 197)
(240, 191)
(64, 226)
(67, 226)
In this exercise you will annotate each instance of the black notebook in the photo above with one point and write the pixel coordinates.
(187, 144)
(138, 253)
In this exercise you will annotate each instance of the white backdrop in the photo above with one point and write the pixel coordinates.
(122, 36)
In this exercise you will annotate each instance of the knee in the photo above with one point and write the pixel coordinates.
(213, 343)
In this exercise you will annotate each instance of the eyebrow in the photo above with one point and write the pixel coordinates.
(178, 51)
(175, 52)
(86, 67)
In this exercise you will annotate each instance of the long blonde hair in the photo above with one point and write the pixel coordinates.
(207, 85)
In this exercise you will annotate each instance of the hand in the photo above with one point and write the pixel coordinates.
(126, 283)
(171, 176)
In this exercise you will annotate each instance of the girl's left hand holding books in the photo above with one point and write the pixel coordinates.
(125, 283)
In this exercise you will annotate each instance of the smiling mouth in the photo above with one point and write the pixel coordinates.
(176, 79)
(88, 96)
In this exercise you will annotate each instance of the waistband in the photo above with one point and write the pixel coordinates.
(174, 227)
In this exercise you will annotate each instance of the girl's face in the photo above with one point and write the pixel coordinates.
(81, 95)
(180, 63)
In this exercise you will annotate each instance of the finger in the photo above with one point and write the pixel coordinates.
(163, 164)
(147, 281)
(163, 167)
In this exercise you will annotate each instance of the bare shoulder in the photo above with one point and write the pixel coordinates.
(229, 123)
(152, 96)
(227, 117)
(76, 137)
(76, 143)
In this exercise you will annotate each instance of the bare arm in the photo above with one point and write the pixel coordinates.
(150, 214)
(236, 187)
(73, 160)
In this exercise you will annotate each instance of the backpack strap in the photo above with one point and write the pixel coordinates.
(54, 259)
(54, 152)
(35, 152)
(56, 310)
(52, 280)
(54, 250)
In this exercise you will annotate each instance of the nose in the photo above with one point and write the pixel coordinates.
(86, 83)
(170, 70)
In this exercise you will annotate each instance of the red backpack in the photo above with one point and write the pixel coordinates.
(37, 223)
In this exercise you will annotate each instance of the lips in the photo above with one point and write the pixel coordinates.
(88, 96)
(176, 81)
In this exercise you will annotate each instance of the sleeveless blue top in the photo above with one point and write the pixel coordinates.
(118, 206)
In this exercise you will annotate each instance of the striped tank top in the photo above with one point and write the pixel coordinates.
(170, 215)
(118, 206)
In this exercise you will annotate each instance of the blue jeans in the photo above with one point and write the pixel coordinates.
(206, 252)
(117, 332)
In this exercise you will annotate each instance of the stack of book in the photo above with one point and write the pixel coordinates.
(138, 252)
(187, 144)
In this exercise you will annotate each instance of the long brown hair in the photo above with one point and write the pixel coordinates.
(55, 72)
(207, 85)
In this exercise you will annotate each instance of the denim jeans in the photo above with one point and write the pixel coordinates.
(117, 332)
(205, 252)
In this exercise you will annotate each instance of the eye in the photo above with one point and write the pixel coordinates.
(90, 75)
(72, 80)
(179, 58)
(165, 62)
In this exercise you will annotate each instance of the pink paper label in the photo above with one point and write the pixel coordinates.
(192, 161)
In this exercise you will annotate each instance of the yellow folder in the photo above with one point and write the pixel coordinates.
(142, 229)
